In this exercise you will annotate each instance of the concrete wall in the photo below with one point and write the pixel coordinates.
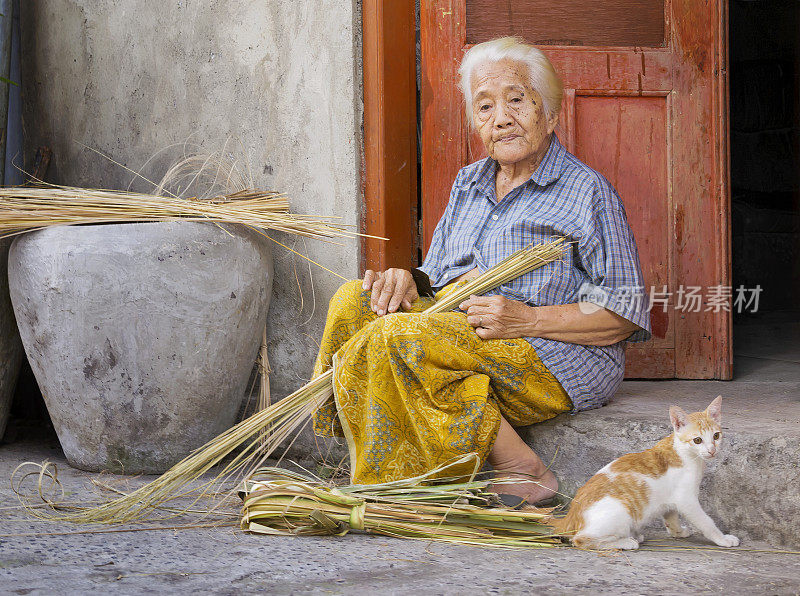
(131, 77)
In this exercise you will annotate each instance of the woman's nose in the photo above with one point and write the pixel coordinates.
(502, 117)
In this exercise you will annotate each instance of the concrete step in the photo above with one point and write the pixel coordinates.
(752, 491)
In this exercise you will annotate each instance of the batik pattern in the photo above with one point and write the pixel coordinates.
(414, 390)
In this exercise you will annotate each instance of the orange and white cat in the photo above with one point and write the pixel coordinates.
(611, 508)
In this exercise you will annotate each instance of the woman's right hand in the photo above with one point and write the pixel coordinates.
(390, 290)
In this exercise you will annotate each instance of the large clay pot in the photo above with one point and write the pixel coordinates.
(10, 345)
(142, 337)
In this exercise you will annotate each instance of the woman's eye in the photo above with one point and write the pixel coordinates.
(717, 435)
(698, 440)
(485, 107)
(516, 99)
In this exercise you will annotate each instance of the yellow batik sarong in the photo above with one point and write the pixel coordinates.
(413, 390)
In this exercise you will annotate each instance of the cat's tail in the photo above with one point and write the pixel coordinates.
(567, 525)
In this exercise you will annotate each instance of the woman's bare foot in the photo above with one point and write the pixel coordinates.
(526, 485)
(518, 470)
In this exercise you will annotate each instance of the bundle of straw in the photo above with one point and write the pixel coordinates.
(279, 502)
(27, 208)
(281, 419)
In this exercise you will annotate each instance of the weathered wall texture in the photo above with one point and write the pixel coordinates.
(131, 77)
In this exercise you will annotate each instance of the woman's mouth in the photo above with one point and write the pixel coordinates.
(507, 139)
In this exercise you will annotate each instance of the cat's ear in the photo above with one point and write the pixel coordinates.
(714, 410)
(678, 418)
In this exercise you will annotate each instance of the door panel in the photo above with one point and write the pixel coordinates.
(625, 138)
(568, 22)
(651, 119)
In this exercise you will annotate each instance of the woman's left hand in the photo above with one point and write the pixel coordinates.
(497, 317)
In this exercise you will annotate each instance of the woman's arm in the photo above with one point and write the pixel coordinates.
(496, 317)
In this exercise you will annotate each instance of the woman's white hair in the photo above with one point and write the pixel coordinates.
(543, 76)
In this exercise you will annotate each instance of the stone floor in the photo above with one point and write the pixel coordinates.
(754, 492)
(38, 557)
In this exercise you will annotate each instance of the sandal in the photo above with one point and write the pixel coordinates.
(516, 502)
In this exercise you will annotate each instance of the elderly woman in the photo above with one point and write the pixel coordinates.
(413, 391)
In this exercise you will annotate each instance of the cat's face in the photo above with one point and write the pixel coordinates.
(699, 433)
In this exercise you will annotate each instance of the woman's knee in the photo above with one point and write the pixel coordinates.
(442, 327)
(349, 294)
(400, 325)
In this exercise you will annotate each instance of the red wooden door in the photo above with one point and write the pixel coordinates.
(645, 104)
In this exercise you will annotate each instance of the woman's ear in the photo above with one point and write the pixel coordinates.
(551, 124)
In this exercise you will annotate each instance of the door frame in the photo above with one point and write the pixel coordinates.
(389, 175)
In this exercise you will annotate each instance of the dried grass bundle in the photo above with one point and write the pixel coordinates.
(27, 208)
(279, 502)
(211, 186)
(281, 419)
(518, 264)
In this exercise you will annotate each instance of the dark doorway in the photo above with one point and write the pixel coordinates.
(765, 181)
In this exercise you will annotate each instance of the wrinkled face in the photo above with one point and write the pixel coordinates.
(701, 436)
(508, 113)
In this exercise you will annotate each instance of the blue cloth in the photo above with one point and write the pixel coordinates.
(563, 197)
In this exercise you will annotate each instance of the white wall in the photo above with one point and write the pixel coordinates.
(130, 77)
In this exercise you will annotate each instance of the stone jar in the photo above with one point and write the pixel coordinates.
(142, 336)
(10, 345)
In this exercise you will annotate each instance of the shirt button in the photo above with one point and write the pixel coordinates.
(494, 217)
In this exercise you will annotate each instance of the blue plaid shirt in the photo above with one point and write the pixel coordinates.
(563, 197)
